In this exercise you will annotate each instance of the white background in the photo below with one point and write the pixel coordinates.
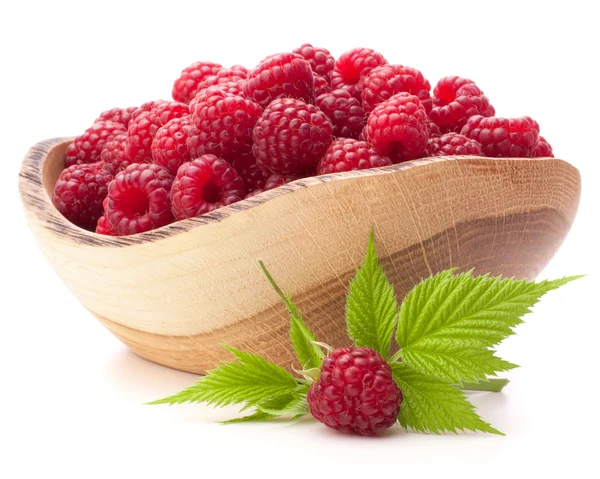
(72, 394)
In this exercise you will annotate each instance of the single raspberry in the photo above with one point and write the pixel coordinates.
(139, 200)
(351, 66)
(319, 59)
(344, 111)
(432, 128)
(203, 185)
(291, 136)
(321, 85)
(117, 115)
(346, 154)
(79, 193)
(356, 393)
(148, 106)
(104, 227)
(235, 74)
(455, 100)
(279, 76)
(542, 149)
(385, 81)
(503, 137)
(364, 135)
(276, 180)
(397, 127)
(86, 148)
(114, 154)
(186, 86)
(254, 178)
(232, 88)
(169, 147)
(224, 124)
(143, 128)
(452, 144)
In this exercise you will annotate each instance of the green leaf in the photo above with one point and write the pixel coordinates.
(289, 405)
(467, 311)
(493, 384)
(371, 306)
(252, 379)
(433, 405)
(303, 339)
(258, 416)
(454, 363)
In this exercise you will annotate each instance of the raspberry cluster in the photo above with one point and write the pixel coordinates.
(231, 133)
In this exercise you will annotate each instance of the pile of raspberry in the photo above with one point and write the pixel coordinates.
(232, 133)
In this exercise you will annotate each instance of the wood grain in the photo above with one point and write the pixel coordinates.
(175, 294)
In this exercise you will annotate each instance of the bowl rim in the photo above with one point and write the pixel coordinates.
(37, 201)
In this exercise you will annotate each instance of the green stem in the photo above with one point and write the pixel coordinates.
(396, 357)
(275, 285)
(493, 385)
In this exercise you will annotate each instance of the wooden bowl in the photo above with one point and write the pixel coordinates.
(175, 294)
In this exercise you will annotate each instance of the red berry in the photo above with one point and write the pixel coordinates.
(203, 185)
(356, 393)
(455, 100)
(291, 136)
(139, 200)
(276, 180)
(117, 115)
(453, 144)
(114, 155)
(143, 128)
(224, 124)
(235, 74)
(254, 178)
(79, 193)
(351, 66)
(186, 86)
(169, 147)
(148, 106)
(285, 75)
(86, 148)
(385, 81)
(432, 128)
(321, 85)
(344, 111)
(397, 127)
(503, 137)
(346, 155)
(320, 60)
(104, 227)
(542, 149)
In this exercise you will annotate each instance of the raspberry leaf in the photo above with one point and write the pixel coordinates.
(491, 384)
(303, 340)
(251, 379)
(433, 405)
(258, 416)
(371, 307)
(466, 311)
(294, 404)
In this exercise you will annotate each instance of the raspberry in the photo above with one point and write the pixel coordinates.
(385, 81)
(224, 124)
(186, 86)
(278, 76)
(356, 393)
(344, 111)
(276, 180)
(290, 136)
(117, 115)
(139, 200)
(397, 127)
(86, 148)
(503, 137)
(254, 178)
(235, 74)
(432, 128)
(364, 136)
(321, 85)
(148, 106)
(542, 149)
(453, 144)
(79, 193)
(455, 100)
(203, 185)
(320, 60)
(114, 155)
(143, 128)
(169, 147)
(104, 227)
(346, 155)
(351, 66)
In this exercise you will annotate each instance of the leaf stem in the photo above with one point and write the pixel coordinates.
(274, 284)
(493, 384)
(396, 357)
